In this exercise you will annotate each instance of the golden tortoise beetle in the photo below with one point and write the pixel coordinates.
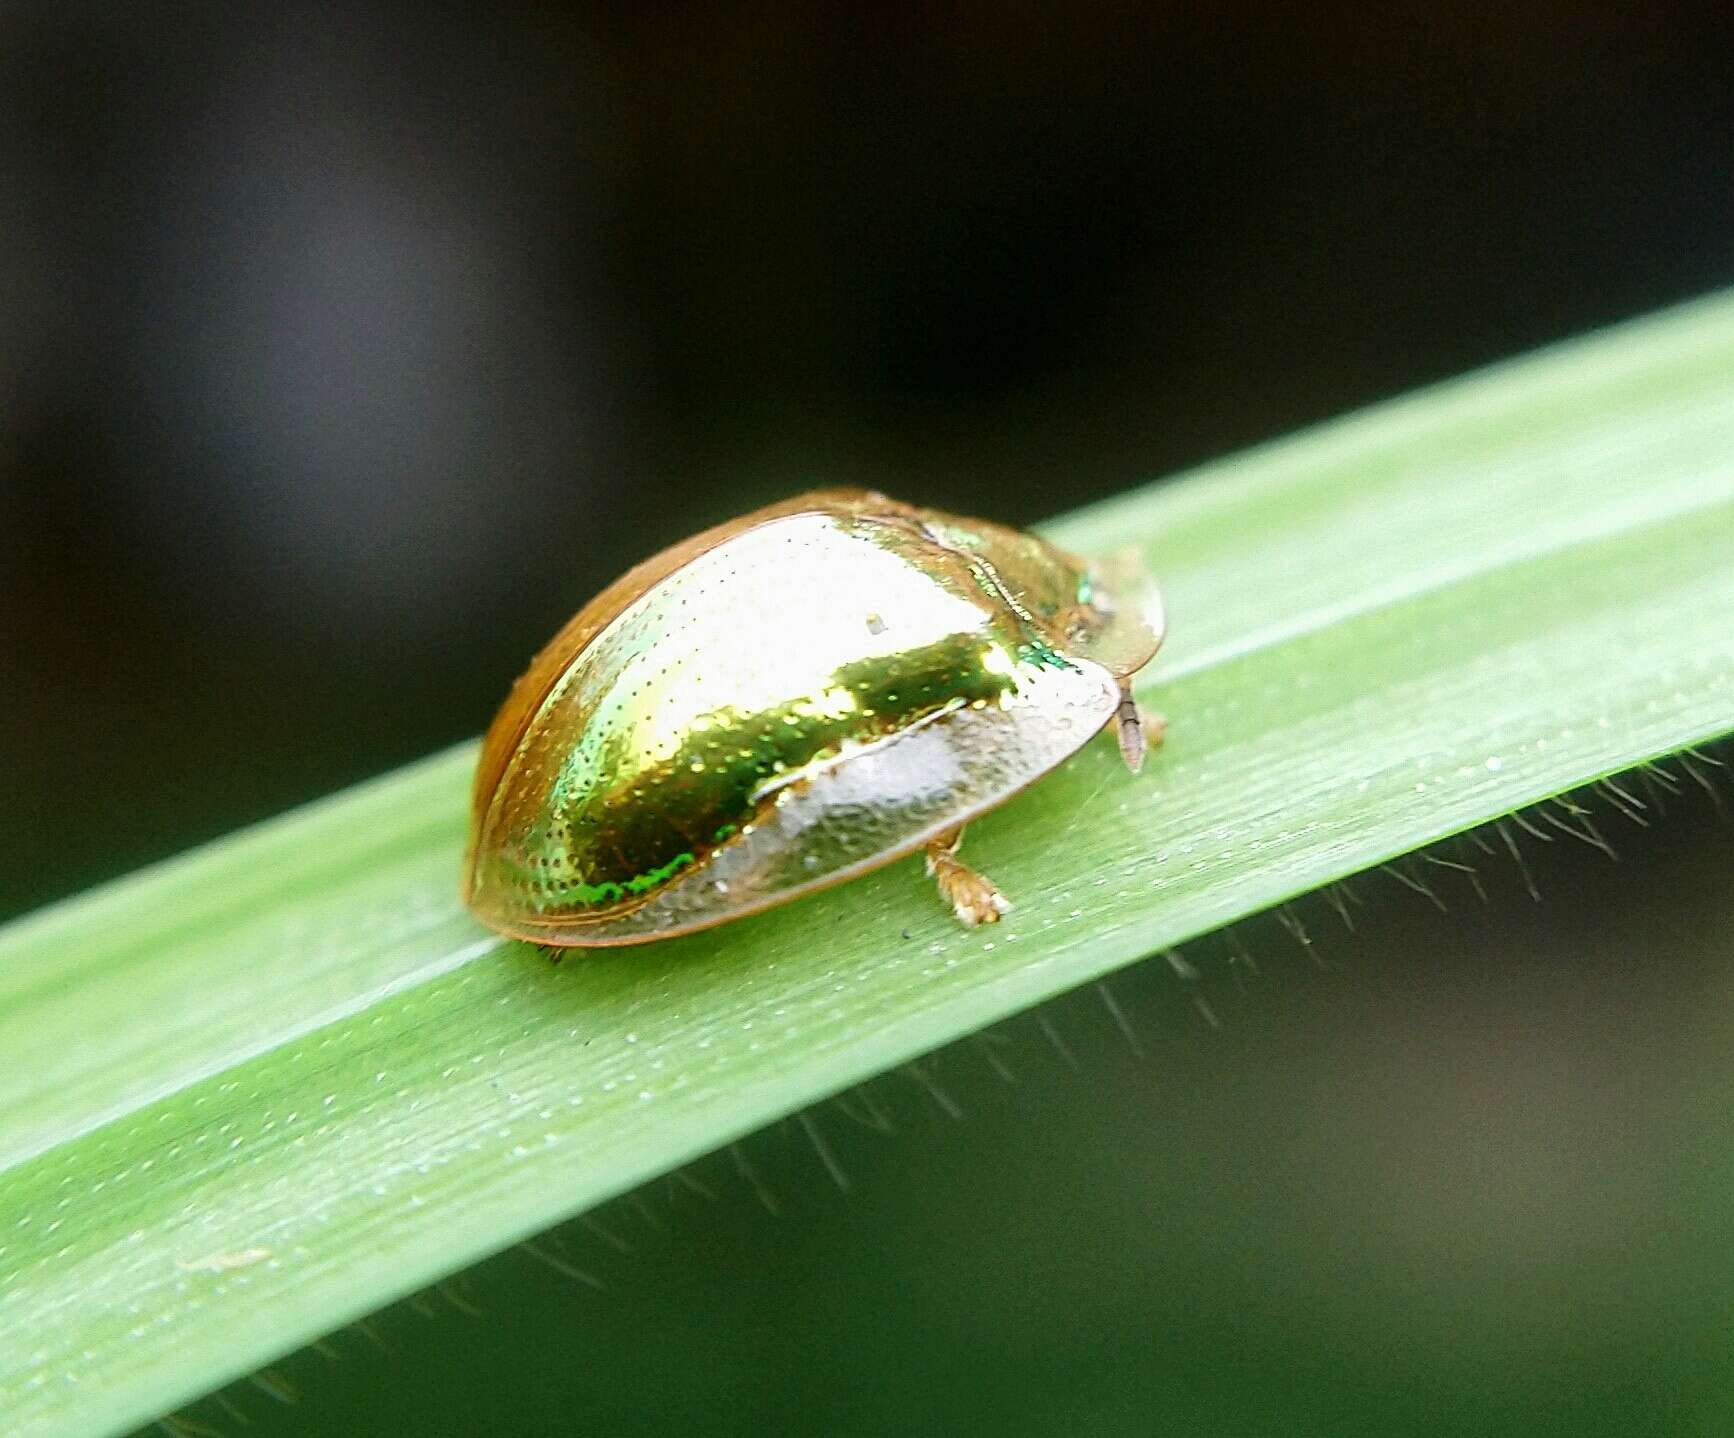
(789, 700)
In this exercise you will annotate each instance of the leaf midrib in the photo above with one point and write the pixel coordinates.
(1609, 533)
(1264, 799)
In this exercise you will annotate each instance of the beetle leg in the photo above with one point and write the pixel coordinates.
(972, 896)
(1138, 729)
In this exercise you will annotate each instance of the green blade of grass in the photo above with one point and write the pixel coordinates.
(257, 1092)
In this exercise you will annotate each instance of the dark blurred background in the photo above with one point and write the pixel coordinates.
(344, 350)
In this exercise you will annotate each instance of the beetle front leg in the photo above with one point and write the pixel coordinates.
(1139, 730)
(972, 896)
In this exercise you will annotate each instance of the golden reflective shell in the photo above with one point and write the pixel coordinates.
(782, 702)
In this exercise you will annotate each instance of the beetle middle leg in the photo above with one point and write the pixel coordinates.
(1139, 730)
(972, 896)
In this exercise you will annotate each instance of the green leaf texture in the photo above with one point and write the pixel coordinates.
(254, 1093)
